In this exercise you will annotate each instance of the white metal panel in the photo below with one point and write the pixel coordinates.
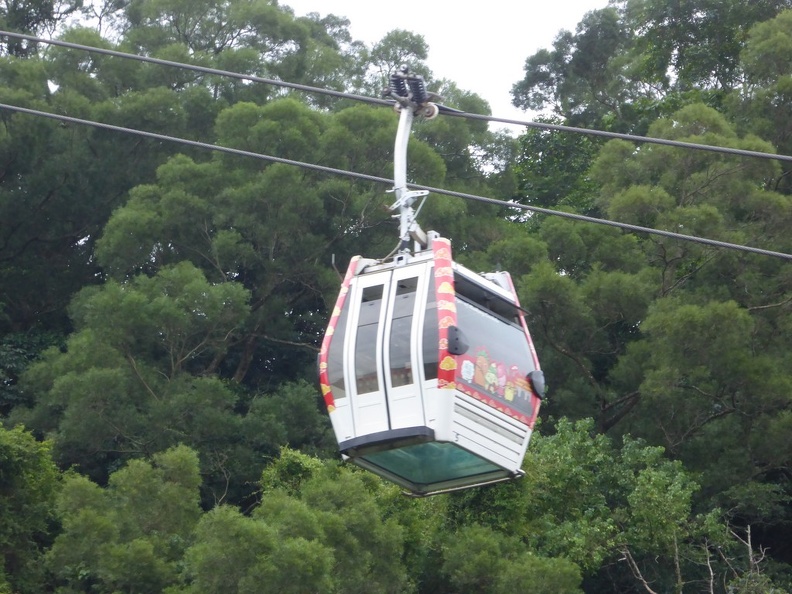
(439, 404)
(486, 449)
(489, 433)
(341, 419)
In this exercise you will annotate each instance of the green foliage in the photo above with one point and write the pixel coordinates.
(762, 107)
(190, 292)
(700, 359)
(31, 17)
(172, 319)
(122, 386)
(700, 41)
(755, 582)
(102, 416)
(353, 523)
(636, 60)
(511, 249)
(131, 536)
(227, 551)
(17, 352)
(293, 416)
(551, 168)
(767, 52)
(29, 484)
(478, 559)
(316, 529)
(584, 504)
(397, 48)
(288, 472)
(583, 73)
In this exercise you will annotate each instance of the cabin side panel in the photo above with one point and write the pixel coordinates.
(331, 359)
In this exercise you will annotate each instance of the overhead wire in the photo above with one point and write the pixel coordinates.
(379, 101)
(197, 68)
(383, 180)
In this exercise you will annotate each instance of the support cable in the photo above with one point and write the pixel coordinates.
(377, 101)
(390, 182)
(196, 68)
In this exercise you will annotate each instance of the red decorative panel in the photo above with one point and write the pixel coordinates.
(446, 310)
(324, 381)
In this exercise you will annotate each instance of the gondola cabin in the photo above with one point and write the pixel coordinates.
(429, 373)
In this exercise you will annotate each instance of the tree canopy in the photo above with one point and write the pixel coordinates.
(162, 305)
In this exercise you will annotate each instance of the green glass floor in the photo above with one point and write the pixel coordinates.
(427, 464)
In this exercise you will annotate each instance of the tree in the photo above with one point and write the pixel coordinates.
(234, 553)
(60, 183)
(712, 389)
(759, 106)
(552, 167)
(131, 536)
(33, 17)
(185, 295)
(398, 48)
(669, 345)
(318, 528)
(586, 316)
(17, 351)
(353, 522)
(700, 41)
(122, 387)
(582, 78)
(268, 229)
(29, 484)
(638, 60)
(480, 559)
(137, 377)
(622, 515)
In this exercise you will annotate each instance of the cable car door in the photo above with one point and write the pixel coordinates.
(402, 354)
(364, 354)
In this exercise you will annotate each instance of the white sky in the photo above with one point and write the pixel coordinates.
(482, 46)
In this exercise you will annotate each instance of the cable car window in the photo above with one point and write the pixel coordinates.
(401, 330)
(366, 341)
(485, 299)
(335, 357)
(431, 337)
(499, 359)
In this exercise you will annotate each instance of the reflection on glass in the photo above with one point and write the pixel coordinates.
(366, 341)
(335, 356)
(403, 306)
(430, 463)
(430, 339)
(499, 358)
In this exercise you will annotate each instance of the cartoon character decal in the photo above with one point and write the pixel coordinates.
(497, 384)
(491, 379)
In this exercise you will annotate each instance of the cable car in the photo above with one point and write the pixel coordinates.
(428, 370)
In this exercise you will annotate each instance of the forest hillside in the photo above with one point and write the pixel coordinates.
(162, 303)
